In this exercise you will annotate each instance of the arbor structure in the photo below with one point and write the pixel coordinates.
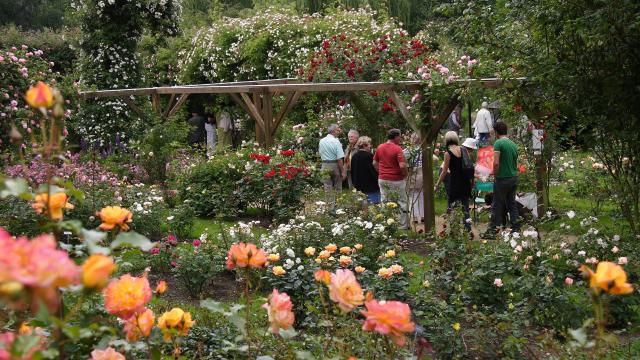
(256, 97)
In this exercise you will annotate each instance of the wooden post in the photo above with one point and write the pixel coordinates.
(427, 167)
(469, 117)
(267, 116)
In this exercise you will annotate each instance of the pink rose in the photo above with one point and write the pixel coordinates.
(623, 260)
(568, 281)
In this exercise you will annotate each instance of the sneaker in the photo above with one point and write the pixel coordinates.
(489, 235)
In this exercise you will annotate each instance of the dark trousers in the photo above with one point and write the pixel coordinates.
(504, 201)
(451, 203)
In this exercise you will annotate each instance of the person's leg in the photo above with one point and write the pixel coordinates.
(402, 204)
(384, 190)
(512, 206)
(497, 205)
(465, 211)
(327, 181)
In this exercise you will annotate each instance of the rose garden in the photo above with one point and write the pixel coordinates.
(122, 238)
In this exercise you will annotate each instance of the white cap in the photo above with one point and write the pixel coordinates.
(470, 143)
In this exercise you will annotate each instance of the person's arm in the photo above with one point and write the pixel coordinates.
(445, 169)
(343, 173)
(402, 163)
(375, 162)
(496, 163)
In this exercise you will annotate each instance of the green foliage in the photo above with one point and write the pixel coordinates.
(195, 265)
(34, 14)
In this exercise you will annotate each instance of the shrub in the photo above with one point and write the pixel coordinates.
(197, 263)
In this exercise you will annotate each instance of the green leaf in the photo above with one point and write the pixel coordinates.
(92, 238)
(304, 355)
(289, 333)
(132, 239)
(212, 305)
(15, 187)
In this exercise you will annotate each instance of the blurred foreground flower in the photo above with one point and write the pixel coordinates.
(39, 96)
(279, 309)
(106, 354)
(96, 270)
(127, 296)
(51, 207)
(392, 318)
(345, 290)
(609, 277)
(113, 216)
(161, 288)
(139, 325)
(174, 321)
(37, 266)
(245, 255)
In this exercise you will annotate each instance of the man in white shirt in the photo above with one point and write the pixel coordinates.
(332, 156)
(484, 125)
(224, 130)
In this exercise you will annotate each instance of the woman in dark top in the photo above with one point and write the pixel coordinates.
(363, 175)
(459, 182)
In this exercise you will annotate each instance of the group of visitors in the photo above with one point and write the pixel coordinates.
(394, 174)
(204, 129)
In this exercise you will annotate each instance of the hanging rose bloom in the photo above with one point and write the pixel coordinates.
(113, 216)
(36, 266)
(279, 309)
(53, 208)
(391, 318)
(161, 288)
(40, 96)
(245, 255)
(96, 270)
(127, 296)
(106, 354)
(174, 321)
(345, 290)
(609, 277)
(139, 325)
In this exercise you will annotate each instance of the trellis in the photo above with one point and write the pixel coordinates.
(256, 98)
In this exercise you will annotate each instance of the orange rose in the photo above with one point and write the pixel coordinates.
(245, 255)
(127, 296)
(345, 261)
(324, 254)
(358, 246)
(331, 248)
(345, 290)
(139, 325)
(279, 309)
(161, 288)
(345, 250)
(385, 273)
(113, 216)
(273, 257)
(396, 269)
(278, 271)
(392, 318)
(51, 207)
(609, 277)
(310, 251)
(322, 276)
(360, 269)
(40, 96)
(96, 270)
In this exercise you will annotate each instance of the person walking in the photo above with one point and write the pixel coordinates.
(505, 170)
(392, 170)
(224, 130)
(413, 154)
(484, 125)
(332, 156)
(210, 128)
(352, 136)
(453, 123)
(459, 181)
(364, 176)
(196, 129)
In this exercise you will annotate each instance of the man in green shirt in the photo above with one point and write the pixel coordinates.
(505, 170)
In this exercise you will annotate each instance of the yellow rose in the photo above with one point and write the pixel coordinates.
(358, 246)
(310, 251)
(359, 269)
(39, 96)
(278, 271)
(96, 270)
(390, 254)
(273, 257)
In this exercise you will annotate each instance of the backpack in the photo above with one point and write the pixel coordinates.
(467, 165)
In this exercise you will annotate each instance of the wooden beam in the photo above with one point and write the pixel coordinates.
(404, 111)
(439, 120)
(289, 103)
(132, 104)
(285, 86)
(177, 105)
(253, 111)
(155, 103)
(169, 104)
(243, 105)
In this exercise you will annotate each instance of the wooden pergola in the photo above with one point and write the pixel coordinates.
(256, 98)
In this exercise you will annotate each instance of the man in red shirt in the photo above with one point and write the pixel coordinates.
(392, 170)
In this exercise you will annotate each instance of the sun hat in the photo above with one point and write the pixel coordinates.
(470, 143)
